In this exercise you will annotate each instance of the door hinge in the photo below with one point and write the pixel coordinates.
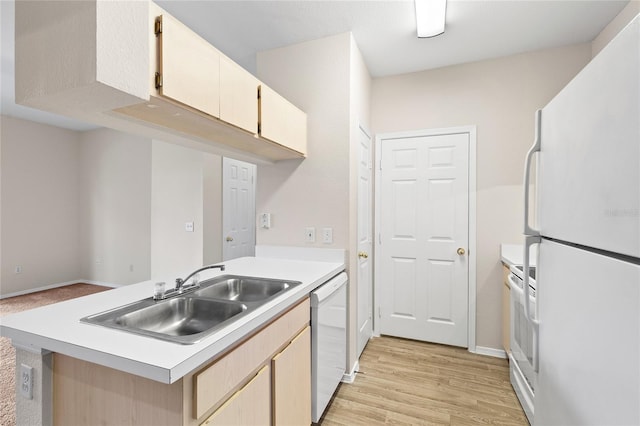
(158, 80)
(380, 165)
(259, 128)
(379, 312)
(379, 238)
(157, 27)
(259, 96)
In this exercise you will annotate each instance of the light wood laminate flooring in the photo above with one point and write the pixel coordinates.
(405, 382)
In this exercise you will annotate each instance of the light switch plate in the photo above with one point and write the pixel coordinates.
(26, 381)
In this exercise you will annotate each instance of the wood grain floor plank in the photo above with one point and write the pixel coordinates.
(405, 382)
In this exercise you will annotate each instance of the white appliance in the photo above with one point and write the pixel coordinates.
(328, 342)
(522, 342)
(587, 324)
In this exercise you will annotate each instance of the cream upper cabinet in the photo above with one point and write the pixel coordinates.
(281, 121)
(189, 67)
(153, 77)
(238, 96)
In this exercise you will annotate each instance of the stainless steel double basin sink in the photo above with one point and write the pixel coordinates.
(188, 318)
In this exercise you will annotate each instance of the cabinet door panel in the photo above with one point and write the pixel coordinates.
(281, 121)
(251, 405)
(190, 68)
(291, 370)
(238, 96)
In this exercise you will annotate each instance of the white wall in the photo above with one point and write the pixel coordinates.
(40, 205)
(176, 198)
(312, 192)
(500, 97)
(359, 115)
(78, 207)
(115, 207)
(212, 208)
(328, 80)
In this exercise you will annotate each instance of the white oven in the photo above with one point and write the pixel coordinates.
(522, 362)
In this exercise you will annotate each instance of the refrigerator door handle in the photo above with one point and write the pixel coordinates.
(527, 172)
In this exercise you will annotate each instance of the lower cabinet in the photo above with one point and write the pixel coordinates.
(265, 380)
(292, 382)
(506, 310)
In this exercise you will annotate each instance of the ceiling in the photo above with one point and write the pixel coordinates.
(383, 29)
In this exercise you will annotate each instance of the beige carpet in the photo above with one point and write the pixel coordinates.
(8, 353)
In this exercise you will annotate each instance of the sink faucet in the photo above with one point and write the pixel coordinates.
(180, 282)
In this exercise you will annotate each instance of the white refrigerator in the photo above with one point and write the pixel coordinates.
(587, 319)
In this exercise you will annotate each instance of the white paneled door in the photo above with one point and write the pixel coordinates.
(424, 234)
(238, 209)
(365, 241)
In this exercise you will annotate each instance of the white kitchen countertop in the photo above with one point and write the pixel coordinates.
(57, 327)
(513, 254)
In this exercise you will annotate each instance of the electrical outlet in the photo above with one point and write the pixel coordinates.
(327, 235)
(18, 269)
(188, 226)
(265, 220)
(26, 381)
(310, 234)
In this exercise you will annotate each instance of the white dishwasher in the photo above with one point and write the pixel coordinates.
(328, 341)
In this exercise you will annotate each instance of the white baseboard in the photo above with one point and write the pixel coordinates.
(51, 286)
(351, 376)
(496, 353)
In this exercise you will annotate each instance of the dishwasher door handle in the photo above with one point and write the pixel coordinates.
(327, 289)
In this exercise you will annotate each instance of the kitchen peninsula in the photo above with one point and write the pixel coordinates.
(85, 372)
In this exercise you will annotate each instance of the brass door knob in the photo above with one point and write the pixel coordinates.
(229, 239)
(363, 255)
(461, 251)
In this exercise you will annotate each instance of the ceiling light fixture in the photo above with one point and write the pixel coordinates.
(430, 17)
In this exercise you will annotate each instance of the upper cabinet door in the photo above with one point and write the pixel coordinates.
(238, 96)
(281, 121)
(189, 67)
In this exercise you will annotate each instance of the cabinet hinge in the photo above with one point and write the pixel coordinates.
(157, 27)
(158, 80)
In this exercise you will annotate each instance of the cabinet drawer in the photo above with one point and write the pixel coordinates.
(214, 383)
(251, 405)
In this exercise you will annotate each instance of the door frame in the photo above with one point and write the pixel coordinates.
(471, 131)
(367, 133)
